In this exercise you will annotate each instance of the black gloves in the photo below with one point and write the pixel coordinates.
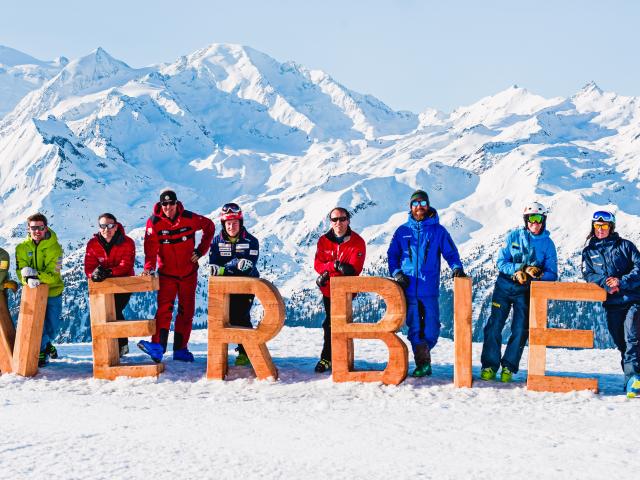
(402, 280)
(458, 272)
(100, 274)
(344, 268)
(323, 279)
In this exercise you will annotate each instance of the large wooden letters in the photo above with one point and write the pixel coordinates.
(462, 376)
(541, 337)
(221, 333)
(105, 330)
(19, 350)
(343, 331)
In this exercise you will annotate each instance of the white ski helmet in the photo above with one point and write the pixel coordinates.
(535, 207)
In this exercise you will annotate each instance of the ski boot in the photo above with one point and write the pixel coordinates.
(43, 359)
(154, 350)
(51, 351)
(323, 365)
(633, 387)
(506, 375)
(423, 370)
(487, 374)
(183, 355)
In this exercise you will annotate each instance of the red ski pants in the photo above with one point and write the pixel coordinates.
(185, 289)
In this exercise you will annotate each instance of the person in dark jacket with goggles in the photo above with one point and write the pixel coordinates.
(613, 263)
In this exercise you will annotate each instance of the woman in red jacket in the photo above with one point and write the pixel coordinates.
(340, 251)
(110, 253)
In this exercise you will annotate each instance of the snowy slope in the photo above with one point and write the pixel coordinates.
(304, 425)
(228, 122)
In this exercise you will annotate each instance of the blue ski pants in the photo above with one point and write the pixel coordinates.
(423, 321)
(52, 318)
(623, 322)
(507, 294)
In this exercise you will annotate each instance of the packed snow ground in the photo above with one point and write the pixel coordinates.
(65, 424)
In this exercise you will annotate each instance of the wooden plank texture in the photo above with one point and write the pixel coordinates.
(541, 337)
(7, 336)
(343, 330)
(546, 383)
(134, 284)
(105, 329)
(462, 375)
(221, 333)
(33, 306)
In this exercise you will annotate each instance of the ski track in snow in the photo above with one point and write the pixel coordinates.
(66, 424)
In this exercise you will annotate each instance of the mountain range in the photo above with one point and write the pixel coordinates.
(229, 123)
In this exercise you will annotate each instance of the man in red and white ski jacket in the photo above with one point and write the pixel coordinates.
(169, 244)
(340, 251)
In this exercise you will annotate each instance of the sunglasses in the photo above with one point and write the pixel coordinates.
(108, 226)
(422, 203)
(603, 216)
(37, 228)
(601, 226)
(535, 218)
(231, 208)
(168, 202)
(339, 219)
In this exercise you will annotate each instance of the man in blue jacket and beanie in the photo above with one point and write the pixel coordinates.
(528, 255)
(414, 262)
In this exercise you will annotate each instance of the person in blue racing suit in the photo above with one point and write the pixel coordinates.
(234, 251)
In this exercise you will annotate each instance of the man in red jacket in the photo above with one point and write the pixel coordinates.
(169, 243)
(110, 253)
(340, 251)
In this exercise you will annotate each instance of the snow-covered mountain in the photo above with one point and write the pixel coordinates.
(230, 123)
(21, 73)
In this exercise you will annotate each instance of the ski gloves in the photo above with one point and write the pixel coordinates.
(523, 276)
(243, 265)
(31, 276)
(101, 273)
(402, 279)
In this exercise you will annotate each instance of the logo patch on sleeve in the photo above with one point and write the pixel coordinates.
(253, 252)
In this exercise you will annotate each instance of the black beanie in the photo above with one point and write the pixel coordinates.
(168, 196)
(419, 195)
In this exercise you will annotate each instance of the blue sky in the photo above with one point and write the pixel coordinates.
(411, 54)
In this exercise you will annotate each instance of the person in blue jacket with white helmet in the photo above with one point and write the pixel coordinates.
(613, 263)
(528, 255)
(414, 262)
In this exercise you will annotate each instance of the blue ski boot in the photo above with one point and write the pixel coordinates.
(183, 355)
(154, 350)
(633, 387)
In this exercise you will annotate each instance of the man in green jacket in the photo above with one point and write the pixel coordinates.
(39, 260)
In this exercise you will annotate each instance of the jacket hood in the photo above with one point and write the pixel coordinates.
(431, 219)
(118, 238)
(544, 234)
(610, 240)
(157, 209)
(50, 235)
(332, 236)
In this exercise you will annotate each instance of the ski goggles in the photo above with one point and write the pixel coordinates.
(601, 226)
(603, 216)
(37, 228)
(422, 203)
(535, 218)
(231, 208)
